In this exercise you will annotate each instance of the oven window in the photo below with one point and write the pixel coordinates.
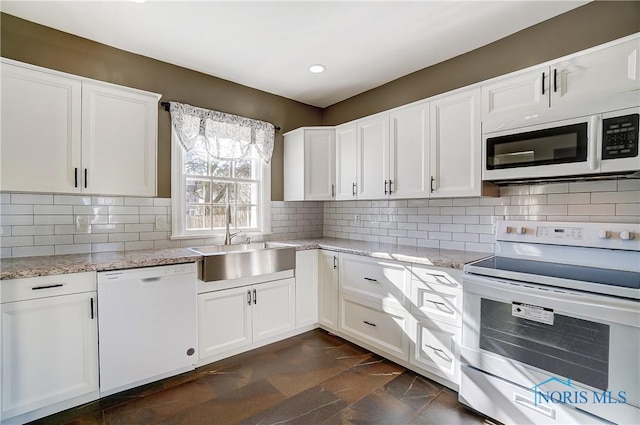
(557, 145)
(571, 348)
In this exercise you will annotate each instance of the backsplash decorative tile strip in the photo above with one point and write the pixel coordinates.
(45, 224)
(467, 223)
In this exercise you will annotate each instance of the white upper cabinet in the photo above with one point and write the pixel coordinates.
(455, 145)
(309, 164)
(345, 161)
(605, 72)
(41, 122)
(67, 134)
(119, 140)
(409, 152)
(583, 77)
(372, 156)
(520, 94)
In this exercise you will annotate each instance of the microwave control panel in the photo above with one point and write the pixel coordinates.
(620, 137)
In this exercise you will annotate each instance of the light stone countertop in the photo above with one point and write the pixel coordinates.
(411, 254)
(15, 268)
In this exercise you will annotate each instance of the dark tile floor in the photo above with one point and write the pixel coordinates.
(313, 378)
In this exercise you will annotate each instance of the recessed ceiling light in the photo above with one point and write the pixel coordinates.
(317, 68)
(137, 1)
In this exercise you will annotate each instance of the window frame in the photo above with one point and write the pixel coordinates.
(178, 199)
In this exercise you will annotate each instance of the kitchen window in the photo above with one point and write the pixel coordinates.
(218, 168)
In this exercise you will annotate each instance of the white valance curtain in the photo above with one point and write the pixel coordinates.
(226, 137)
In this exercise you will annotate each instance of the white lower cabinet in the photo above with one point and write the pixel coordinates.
(232, 319)
(328, 289)
(436, 347)
(306, 288)
(49, 345)
(386, 329)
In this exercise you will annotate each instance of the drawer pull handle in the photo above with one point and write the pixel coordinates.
(369, 323)
(370, 279)
(55, 285)
(523, 401)
(440, 352)
(441, 306)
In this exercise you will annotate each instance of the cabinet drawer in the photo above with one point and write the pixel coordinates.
(386, 330)
(437, 348)
(517, 405)
(436, 295)
(29, 288)
(379, 281)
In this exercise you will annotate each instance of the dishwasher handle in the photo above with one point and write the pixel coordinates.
(151, 279)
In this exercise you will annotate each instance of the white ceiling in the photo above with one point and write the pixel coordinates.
(269, 45)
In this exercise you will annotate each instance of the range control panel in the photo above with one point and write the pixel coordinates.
(620, 137)
(596, 235)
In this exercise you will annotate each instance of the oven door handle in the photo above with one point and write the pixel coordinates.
(530, 404)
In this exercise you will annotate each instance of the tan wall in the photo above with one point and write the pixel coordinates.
(584, 27)
(35, 44)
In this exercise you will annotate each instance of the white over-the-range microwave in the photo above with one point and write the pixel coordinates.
(559, 143)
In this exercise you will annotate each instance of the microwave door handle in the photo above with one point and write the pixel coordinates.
(594, 134)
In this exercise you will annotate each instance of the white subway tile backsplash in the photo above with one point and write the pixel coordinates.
(32, 251)
(105, 247)
(72, 249)
(132, 246)
(597, 186)
(52, 209)
(123, 223)
(628, 184)
(11, 241)
(592, 209)
(628, 209)
(72, 200)
(53, 240)
(52, 219)
(20, 198)
(147, 202)
(627, 197)
(8, 209)
(88, 239)
(31, 230)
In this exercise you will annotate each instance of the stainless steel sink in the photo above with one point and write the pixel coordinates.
(222, 262)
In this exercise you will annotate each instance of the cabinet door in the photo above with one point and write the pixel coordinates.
(328, 289)
(273, 308)
(306, 288)
(49, 351)
(346, 159)
(612, 70)
(455, 145)
(386, 330)
(119, 127)
(373, 156)
(436, 348)
(319, 164)
(409, 152)
(224, 320)
(41, 129)
(520, 94)
(384, 283)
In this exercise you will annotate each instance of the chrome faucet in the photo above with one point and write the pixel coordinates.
(228, 235)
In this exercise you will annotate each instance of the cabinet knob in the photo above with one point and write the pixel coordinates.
(626, 235)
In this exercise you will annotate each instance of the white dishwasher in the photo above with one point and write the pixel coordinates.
(147, 324)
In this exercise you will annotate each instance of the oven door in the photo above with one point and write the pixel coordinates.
(561, 148)
(567, 347)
